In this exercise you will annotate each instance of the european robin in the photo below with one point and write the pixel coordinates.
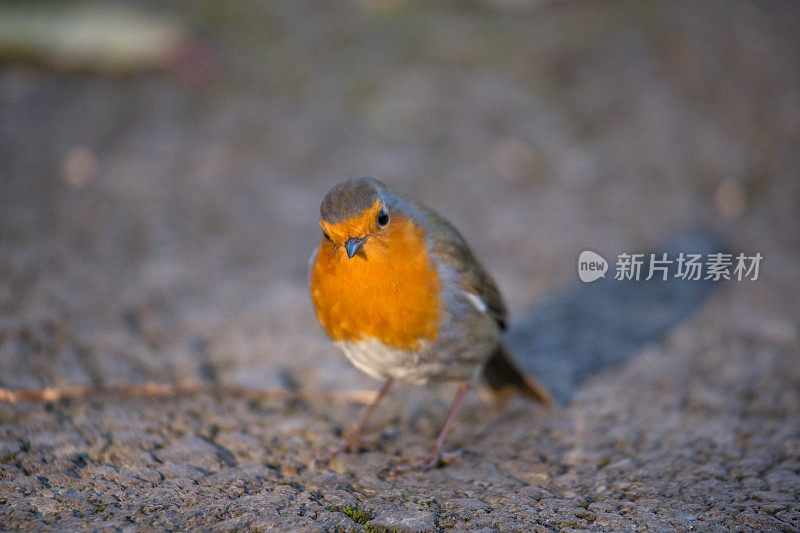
(398, 290)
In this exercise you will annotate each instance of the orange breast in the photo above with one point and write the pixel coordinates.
(388, 291)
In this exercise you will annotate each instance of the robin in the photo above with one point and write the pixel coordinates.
(398, 290)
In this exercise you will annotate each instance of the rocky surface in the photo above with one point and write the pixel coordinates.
(157, 231)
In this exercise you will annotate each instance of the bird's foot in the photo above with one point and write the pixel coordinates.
(357, 443)
(428, 461)
(353, 444)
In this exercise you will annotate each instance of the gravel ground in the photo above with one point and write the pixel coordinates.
(152, 230)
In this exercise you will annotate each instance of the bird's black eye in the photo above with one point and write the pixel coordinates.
(327, 237)
(383, 217)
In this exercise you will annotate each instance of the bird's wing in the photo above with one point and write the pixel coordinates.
(452, 249)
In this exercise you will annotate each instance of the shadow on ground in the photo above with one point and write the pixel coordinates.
(583, 332)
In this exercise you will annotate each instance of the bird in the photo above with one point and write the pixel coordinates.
(399, 291)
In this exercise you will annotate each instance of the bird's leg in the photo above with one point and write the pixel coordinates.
(354, 439)
(432, 458)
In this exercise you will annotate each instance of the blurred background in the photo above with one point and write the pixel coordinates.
(162, 163)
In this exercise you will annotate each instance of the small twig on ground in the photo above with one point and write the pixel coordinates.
(150, 389)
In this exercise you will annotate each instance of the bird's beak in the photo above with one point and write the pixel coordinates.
(352, 245)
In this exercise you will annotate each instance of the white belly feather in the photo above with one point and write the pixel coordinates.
(380, 361)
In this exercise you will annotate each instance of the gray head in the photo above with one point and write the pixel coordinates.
(351, 198)
(356, 210)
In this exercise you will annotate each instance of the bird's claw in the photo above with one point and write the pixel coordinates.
(353, 444)
(428, 461)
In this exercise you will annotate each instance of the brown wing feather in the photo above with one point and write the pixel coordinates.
(500, 374)
(450, 247)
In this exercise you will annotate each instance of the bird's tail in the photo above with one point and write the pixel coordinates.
(502, 378)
